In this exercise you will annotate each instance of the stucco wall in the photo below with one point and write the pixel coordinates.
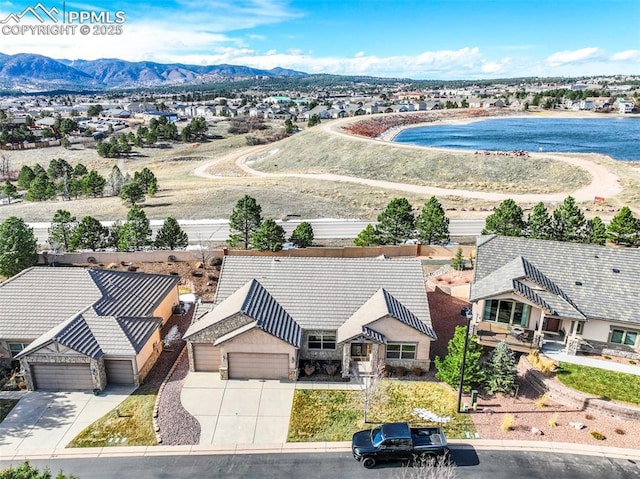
(147, 357)
(165, 309)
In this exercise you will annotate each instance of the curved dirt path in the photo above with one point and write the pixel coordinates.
(604, 183)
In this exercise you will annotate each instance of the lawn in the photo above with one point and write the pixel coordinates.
(130, 424)
(6, 405)
(601, 382)
(328, 415)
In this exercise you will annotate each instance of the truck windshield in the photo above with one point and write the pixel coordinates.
(376, 436)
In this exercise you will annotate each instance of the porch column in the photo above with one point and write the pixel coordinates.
(538, 335)
(346, 359)
(375, 351)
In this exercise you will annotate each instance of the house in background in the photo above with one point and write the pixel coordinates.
(75, 328)
(539, 293)
(274, 315)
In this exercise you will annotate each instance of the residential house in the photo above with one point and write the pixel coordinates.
(626, 106)
(274, 315)
(75, 328)
(539, 293)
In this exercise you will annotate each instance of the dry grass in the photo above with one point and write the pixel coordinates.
(134, 424)
(508, 421)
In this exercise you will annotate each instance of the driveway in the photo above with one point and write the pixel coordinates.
(49, 420)
(252, 411)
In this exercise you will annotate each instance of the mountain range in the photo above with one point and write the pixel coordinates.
(27, 72)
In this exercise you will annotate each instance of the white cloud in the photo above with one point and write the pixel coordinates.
(627, 55)
(575, 56)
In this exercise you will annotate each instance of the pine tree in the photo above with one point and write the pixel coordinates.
(457, 262)
(90, 234)
(63, 227)
(367, 237)
(41, 188)
(595, 231)
(18, 246)
(506, 220)
(269, 236)
(131, 193)
(396, 223)
(10, 191)
(93, 184)
(302, 236)
(25, 177)
(624, 228)
(449, 368)
(245, 219)
(500, 370)
(568, 222)
(171, 236)
(135, 233)
(539, 222)
(432, 224)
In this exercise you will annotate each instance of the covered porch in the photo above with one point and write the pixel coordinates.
(517, 338)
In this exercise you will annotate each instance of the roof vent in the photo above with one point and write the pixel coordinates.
(616, 270)
(578, 283)
(596, 256)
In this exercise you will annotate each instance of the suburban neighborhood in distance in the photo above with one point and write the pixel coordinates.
(239, 253)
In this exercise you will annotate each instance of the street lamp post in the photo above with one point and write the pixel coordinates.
(468, 314)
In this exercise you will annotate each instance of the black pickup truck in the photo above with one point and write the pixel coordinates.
(397, 442)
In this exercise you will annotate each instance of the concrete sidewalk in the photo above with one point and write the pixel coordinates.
(50, 420)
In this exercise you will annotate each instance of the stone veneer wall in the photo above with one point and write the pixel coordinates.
(570, 397)
(98, 371)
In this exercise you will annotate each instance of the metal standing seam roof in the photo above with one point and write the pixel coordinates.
(322, 293)
(597, 282)
(89, 330)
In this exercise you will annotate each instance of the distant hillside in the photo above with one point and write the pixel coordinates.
(30, 72)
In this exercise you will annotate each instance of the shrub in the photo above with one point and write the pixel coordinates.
(631, 361)
(588, 416)
(553, 420)
(606, 356)
(401, 371)
(620, 431)
(540, 363)
(541, 402)
(417, 372)
(507, 422)
(598, 436)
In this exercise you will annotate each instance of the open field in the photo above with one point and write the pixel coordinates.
(204, 180)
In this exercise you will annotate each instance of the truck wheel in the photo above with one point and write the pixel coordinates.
(368, 462)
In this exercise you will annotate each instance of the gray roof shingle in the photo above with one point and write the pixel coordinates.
(574, 280)
(94, 312)
(322, 293)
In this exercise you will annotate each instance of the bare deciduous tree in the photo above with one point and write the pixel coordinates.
(369, 383)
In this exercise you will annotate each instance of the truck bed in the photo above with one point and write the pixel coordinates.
(426, 436)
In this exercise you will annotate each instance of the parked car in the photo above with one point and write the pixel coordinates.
(397, 442)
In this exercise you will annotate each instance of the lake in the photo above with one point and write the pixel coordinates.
(616, 137)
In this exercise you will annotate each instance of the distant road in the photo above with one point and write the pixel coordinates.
(218, 230)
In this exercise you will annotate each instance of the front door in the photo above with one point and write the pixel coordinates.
(360, 351)
(551, 325)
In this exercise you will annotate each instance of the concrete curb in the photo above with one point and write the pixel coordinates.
(316, 447)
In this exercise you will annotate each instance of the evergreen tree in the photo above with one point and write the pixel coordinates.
(269, 236)
(90, 234)
(449, 368)
(135, 233)
(80, 170)
(59, 168)
(624, 228)
(457, 262)
(539, 223)
(147, 180)
(568, 222)
(506, 220)
(302, 236)
(595, 231)
(10, 191)
(245, 219)
(41, 188)
(93, 184)
(63, 227)
(396, 223)
(500, 370)
(132, 193)
(432, 224)
(171, 236)
(18, 246)
(367, 237)
(25, 177)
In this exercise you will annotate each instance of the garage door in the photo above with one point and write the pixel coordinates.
(258, 366)
(119, 371)
(61, 377)
(206, 357)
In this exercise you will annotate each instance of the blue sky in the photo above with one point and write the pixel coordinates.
(425, 39)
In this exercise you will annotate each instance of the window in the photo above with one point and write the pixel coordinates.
(322, 341)
(401, 351)
(506, 311)
(15, 348)
(623, 336)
